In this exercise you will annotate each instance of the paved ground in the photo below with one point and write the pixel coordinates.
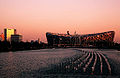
(61, 63)
(86, 63)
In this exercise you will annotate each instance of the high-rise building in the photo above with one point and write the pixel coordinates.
(2, 37)
(16, 38)
(8, 33)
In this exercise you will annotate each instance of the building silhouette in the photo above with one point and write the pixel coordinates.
(16, 38)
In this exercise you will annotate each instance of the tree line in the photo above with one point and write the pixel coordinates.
(6, 46)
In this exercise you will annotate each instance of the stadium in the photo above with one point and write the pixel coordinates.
(103, 39)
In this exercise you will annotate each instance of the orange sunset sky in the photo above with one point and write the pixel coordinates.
(33, 18)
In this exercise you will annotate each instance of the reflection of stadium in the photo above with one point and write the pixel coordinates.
(89, 40)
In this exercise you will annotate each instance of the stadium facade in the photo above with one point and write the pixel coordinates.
(88, 40)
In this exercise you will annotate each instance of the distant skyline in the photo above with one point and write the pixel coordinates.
(33, 18)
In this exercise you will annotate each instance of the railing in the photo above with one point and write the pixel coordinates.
(90, 61)
(94, 64)
(106, 60)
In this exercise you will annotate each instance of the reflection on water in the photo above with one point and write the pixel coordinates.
(13, 64)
